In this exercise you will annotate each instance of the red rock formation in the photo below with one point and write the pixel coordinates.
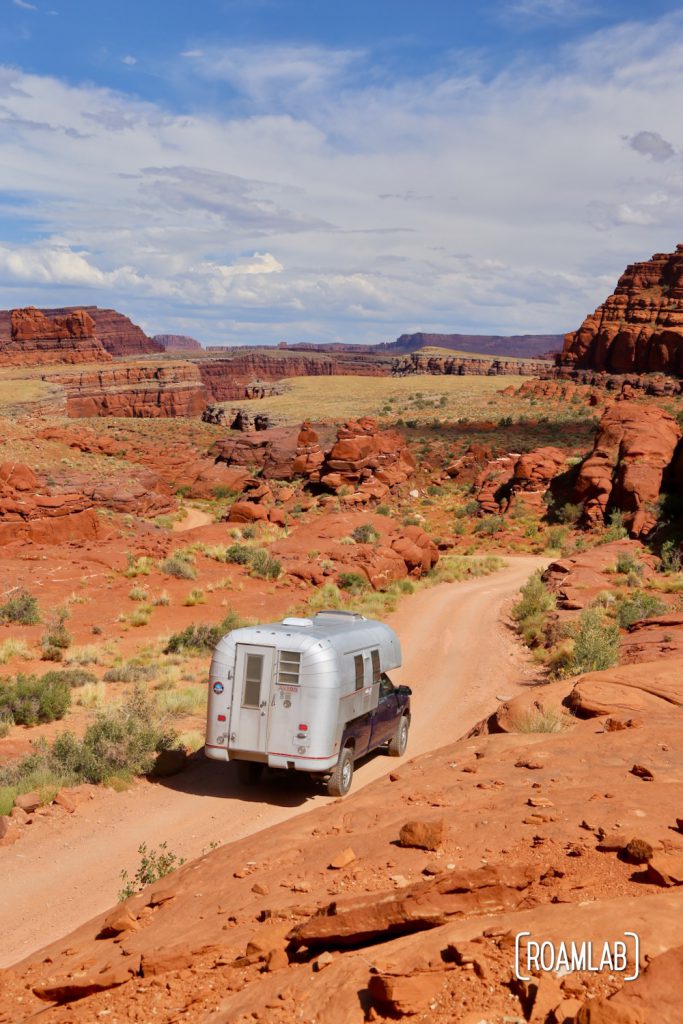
(171, 389)
(534, 472)
(634, 445)
(491, 487)
(177, 342)
(423, 362)
(121, 336)
(365, 458)
(639, 328)
(30, 513)
(35, 338)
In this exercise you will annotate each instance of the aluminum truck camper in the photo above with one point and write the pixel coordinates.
(307, 695)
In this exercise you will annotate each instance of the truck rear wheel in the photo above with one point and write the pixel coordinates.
(339, 782)
(399, 741)
(249, 772)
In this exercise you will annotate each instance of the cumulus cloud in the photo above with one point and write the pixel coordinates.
(509, 204)
(651, 144)
(25, 6)
(129, 60)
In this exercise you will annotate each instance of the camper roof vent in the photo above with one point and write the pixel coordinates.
(293, 621)
(340, 616)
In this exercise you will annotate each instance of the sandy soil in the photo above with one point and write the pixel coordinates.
(192, 520)
(458, 657)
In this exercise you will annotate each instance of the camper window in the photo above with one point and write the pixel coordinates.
(360, 671)
(251, 695)
(375, 666)
(289, 664)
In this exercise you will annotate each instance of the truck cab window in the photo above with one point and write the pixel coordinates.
(360, 671)
(385, 685)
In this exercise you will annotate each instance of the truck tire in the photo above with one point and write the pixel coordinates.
(399, 741)
(339, 782)
(249, 772)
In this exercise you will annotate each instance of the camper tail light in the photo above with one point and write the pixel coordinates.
(221, 718)
(303, 728)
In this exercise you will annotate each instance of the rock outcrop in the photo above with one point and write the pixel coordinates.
(634, 446)
(170, 389)
(516, 346)
(29, 336)
(70, 334)
(639, 328)
(30, 512)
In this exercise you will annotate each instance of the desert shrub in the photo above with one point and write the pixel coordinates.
(141, 566)
(89, 654)
(162, 599)
(489, 525)
(411, 521)
(196, 596)
(201, 638)
(596, 645)
(638, 605)
(13, 648)
(264, 566)
(31, 700)
(530, 612)
(556, 536)
(138, 593)
(383, 510)
(187, 701)
(670, 558)
(121, 741)
(141, 615)
(627, 563)
(154, 865)
(366, 533)
(541, 719)
(57, 638)
(220, 492)
(21, 608)
(179, 564)
(353, 582)
(616, 529)
(238, 554)
(94, 695)
(73, 677)
(570, 514)
(130, 672)
(6, 723)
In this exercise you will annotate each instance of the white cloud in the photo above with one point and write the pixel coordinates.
(25, 6)
(547, 10)
(129, 60)
(508, 205)
(190, 54)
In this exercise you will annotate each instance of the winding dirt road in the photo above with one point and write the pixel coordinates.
(458, 657)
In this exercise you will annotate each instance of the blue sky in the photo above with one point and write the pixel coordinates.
(259, 170)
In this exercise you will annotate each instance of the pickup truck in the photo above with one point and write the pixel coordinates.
(387, 724)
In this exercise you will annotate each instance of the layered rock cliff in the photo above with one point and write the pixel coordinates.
(29, 336)
(172, 389)
(418, 362)
(639, 328)
(69, 334)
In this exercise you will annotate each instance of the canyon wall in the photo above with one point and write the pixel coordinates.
(516, 346)
(177, 343)
(639, 328)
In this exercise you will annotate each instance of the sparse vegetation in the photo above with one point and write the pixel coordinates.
(264, 566)
(202, 638)
(154, 865)
(596, 644)
(531, 611)
(31, 699)
(57, 638)
(179, 565)
(12, 648)
(21, 608)
(366, 533)
(353, 582)
(541, 719)
(178, 703)
(638, 605)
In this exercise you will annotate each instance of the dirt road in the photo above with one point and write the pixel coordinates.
(458, 657)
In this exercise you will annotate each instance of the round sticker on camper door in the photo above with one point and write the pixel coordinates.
(218, 687)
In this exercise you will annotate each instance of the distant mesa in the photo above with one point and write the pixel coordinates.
(71, 334)
(516, 346)
(639, 328)
(178, 342)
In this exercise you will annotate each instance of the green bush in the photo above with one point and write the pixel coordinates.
(596, 646)
(21, 608)
(366, 533)
(202, 638)
(616, 529)
(179, 565)
(264, 566)
(489, 525)
(130, 672)
(638, 606)
(153, 866)
(71, 676)
(531, 610)
(31, 700)
(627, 563)
(238, 554)
(670, 558)
(57, 639)
(570, 514)
(353, 582)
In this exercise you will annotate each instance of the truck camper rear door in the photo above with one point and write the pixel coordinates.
(251, 696)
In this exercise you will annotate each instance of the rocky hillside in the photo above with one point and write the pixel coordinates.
(459, 365)
(516, 346)
(72, 334)
(639, 328)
